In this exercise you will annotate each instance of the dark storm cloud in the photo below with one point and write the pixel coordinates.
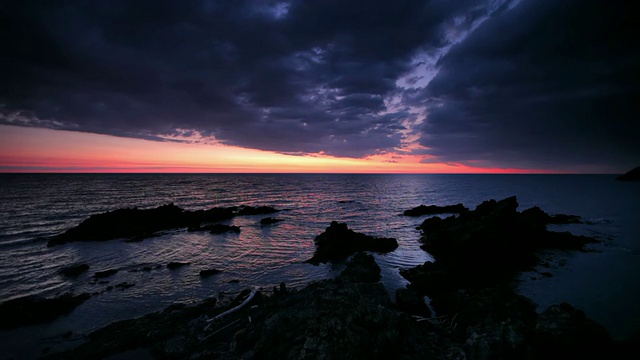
(294, 77)
(548, 84)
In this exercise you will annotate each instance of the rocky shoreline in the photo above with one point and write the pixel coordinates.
(461, 306)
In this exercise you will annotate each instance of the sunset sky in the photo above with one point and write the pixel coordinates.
(319, 86)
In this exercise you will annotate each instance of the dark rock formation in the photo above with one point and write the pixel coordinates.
(136, 224)
(565, 332)
(338, 242)
(361, 268)
(269, 221)
(209, 272)
(632, 175)
(434, 209)
(176, 264)
(74, 270)
(32, 309)
(351, 317)
(105, 273)
(480, 248)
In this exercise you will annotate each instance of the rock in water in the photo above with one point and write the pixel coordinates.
(434, 209)
(633, 175)
(338, 242)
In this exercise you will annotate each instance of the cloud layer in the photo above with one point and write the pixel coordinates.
(540, 85)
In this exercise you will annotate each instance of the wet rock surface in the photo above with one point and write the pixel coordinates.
(337, 242)
(137, 224)
(177, 264)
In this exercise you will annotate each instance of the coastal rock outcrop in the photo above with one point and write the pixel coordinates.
(632, 175)
(337, 242)
(479, 248)
(435, 209)
(136, 224)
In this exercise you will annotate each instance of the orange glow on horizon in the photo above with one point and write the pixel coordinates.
(45, 150)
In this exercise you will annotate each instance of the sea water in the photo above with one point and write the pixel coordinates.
(605, 282)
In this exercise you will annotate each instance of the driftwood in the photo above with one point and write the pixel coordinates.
(223, 314)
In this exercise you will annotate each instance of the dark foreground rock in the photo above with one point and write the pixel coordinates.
(337, 242)
(137, 224)
(434, 209)
(351, 317)
(632, 175)
(470, 284)
(32, 309)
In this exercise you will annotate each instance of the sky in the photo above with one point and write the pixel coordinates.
(319, 86)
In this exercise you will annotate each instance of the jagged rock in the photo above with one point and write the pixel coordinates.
(632, 175)
(105, 273)
(176, 264)
(33, 309)
(361, 268)
(434, 209)
(74, 270)
(269, 221)
(137, 224)
(338, 242)
(209, 272)
(479, 248)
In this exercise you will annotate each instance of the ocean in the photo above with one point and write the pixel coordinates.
(604, 282)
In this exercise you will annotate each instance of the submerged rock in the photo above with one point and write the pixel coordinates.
(33, 309)
(337, 242)
(434, 209)
(632, 175)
